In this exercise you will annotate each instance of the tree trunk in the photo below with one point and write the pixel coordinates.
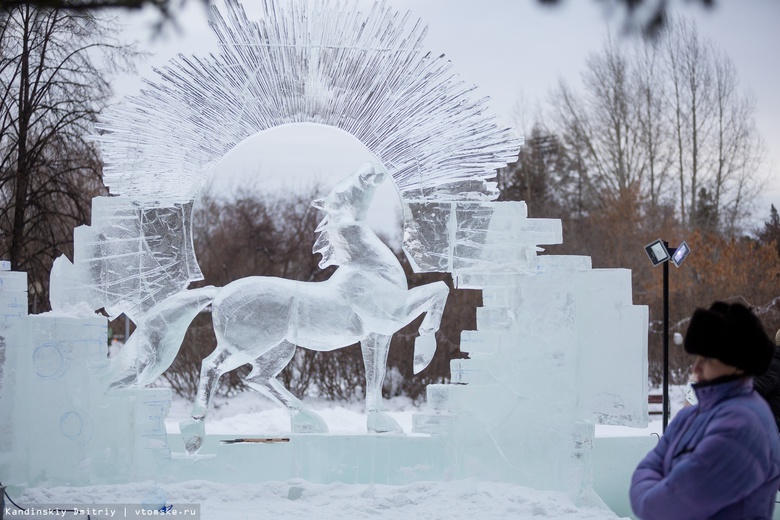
(22, 177)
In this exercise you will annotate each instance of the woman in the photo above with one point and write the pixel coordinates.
(768, 385)
(721, 457)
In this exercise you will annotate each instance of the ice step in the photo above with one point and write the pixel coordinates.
(459, 398)
(487, 341)
(471, 371)
(474, 280)
(433, 423)
(505, 296)
(494, 318)
(441, 397)
(13, 281)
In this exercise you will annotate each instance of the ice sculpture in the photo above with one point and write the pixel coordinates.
(152, 348)
(135, 255)
(522, 408)
(326, 62)
(260, 320)
(329, 63)
(57, 424)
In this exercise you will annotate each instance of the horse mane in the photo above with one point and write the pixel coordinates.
(345, 210)
(323, 245)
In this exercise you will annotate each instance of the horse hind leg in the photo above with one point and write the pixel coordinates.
(263, 379)
(375, 348)
(193, 431)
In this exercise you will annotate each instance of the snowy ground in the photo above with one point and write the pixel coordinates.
(249, 413)
(296, 499)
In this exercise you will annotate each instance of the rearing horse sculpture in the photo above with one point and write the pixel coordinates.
(260, 320)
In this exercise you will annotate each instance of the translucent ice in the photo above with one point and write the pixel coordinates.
(65, 428)
(526, 400)
(474, 236)
(261, 320)
(132, 257)
(13, 308)
(363, 71)
(152, 348)
(535, 382)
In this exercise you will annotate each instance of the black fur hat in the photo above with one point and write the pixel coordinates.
(731, 333)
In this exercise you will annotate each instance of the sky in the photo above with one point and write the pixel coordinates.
(516, 50)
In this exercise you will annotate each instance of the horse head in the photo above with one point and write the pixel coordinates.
(346, 205)
(350, 199)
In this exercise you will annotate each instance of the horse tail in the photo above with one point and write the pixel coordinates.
(153, 346)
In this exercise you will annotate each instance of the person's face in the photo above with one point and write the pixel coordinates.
(707, 369)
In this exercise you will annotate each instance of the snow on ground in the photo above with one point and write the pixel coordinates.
(250, 413)
(297, 499)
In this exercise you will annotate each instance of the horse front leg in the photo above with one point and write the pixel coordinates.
(430, 299)
(375, 348)
(193, 430)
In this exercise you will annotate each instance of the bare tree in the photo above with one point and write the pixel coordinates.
(718, 148)
(601, 126)
(662, 141)
(54, 71)
(651, 91)
(739, 148)
(541, 177)
(688, 64)
(660, 112)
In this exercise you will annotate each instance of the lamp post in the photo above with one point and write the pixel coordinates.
(659, 253)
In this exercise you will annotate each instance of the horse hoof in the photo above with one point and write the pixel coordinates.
(380, 422)
(304, 421)
(193, 431)
(424, 349)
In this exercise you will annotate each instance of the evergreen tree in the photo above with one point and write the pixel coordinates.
(771, 230)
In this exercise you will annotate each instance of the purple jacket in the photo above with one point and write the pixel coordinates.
(717, 459)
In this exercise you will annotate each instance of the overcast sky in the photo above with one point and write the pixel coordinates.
(516, 49)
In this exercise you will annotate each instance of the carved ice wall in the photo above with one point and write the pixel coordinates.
(522, 408)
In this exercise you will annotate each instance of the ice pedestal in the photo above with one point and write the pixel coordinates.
(13, 308)
(558, 348)
(65, 428)
(612, 342)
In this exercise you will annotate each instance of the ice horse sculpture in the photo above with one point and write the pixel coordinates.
(559, 347)
(261, 320)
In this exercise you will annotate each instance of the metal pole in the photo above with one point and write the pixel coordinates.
(666, 342)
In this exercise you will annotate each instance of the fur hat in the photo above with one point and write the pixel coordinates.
(731, 333)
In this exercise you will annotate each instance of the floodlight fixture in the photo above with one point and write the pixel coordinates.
(657, 252)
(680, 254)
